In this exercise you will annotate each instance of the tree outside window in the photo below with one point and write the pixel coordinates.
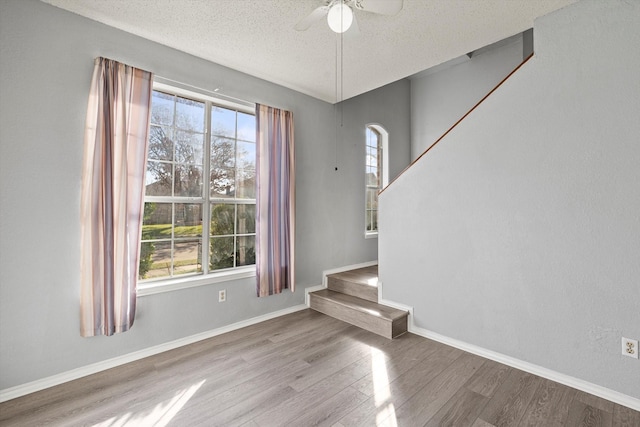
(201, 165)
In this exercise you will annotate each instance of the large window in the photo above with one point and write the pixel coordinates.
(199, 213)
(375, 175)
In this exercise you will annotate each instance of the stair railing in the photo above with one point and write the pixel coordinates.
(458, 122)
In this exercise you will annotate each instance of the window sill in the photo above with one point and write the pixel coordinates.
(175, 284)
(371, 235)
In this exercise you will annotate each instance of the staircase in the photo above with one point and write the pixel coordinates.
(352, 296)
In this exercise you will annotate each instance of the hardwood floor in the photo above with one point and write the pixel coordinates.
(308, 369)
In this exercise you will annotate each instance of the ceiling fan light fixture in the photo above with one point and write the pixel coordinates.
(340, 17)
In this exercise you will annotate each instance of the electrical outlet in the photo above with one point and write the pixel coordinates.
(222, 295)
(630, 347)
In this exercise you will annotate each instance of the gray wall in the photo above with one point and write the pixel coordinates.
(519, 232)
(442, 95)
(389, 107)
(46, 62)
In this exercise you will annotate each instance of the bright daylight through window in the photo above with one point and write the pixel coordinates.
(201, 165)
(374, 171)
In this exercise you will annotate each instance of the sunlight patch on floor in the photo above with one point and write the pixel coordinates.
(386, 415)
(159, 416)
(373, 282)
(381, 390)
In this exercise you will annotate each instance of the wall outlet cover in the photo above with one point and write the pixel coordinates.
(222, 295)
(630, 347)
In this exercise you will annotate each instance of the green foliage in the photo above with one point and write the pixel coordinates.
(222, 246)
(146, 253)
(222, 223)
(222, 219)
(221, 253)
(146, 249)
(250, 256)
(223, 256)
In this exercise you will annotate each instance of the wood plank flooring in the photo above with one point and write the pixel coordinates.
(308, 369)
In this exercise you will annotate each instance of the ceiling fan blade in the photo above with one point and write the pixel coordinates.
(382, 7)
(312, 18)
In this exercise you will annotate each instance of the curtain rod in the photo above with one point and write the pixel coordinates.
(211, 92)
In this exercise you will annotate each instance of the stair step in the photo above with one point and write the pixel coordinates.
(380, 319)
(361, 283)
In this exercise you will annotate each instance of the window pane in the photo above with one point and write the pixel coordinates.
(372, 177)
(160, 260)
(222, 218)
(246, 219)
(160, 143)
(223, 182)
(188, 181)
(221, 253)
(372, 137)
(369, 221)
(189, 114)
(162, 109)
(187, 257)
(372, 198)
(246, 250)
(172, 232)
(246, 188)
(246, 155)
(187, 220)
(223, 122)
(246, 127)
(158, 179)
(156, 221)
(223, 152)
(189, 147)
(372, 220)
(372, 156)
(156, 224)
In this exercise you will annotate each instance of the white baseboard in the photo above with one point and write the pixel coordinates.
(309, 290)
(596, 390)
(31, 387)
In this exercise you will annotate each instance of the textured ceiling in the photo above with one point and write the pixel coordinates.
(257, 36)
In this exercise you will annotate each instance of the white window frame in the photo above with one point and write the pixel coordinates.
(160, 285)
(384, 140)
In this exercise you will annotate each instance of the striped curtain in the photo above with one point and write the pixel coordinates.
(275, 201)
(115, 150)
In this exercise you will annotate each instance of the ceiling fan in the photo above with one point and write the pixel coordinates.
(340, 16)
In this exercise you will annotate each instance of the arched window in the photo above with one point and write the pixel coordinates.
(376, 177)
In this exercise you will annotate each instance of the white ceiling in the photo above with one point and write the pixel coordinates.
(257, 36)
